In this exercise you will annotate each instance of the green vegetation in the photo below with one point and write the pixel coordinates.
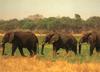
(42, 24)
(70, 57)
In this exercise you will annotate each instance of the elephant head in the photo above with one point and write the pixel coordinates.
(46, 40)
(50, 38)
(84, 38)
(8, 38)
(55, 38)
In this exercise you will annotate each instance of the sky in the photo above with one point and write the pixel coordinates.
(20, 9)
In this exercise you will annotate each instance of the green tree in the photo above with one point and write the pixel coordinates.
(27, 24)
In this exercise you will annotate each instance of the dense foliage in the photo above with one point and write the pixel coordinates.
(76, 24)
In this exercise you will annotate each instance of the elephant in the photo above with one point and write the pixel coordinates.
(92, 38)
(67, 42)
(21, 40)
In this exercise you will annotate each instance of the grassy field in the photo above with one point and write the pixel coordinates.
(48, 63)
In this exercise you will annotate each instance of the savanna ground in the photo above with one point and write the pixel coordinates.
(47, 63)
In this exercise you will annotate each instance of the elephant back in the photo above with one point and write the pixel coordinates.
(67, 38)
(23, 36)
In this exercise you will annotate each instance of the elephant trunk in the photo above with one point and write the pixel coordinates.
(42, 48)
(79, 48)
(80, 42)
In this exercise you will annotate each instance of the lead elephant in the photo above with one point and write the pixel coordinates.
(67, 42)
(93, 38)
(21, 40)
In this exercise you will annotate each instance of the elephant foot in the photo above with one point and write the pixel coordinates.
(24, 55)
(75, 53)
(5, 54)
(32, 55)
(42, 53)
(57, 53)
(90, 54)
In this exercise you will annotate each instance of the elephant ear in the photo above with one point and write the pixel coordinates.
(11, 36)
(88, 34)
(48, 38)
(55, 38)
(93, 37)
(85, 37)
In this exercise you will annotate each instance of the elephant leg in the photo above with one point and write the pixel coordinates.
(91, 49)
(97, 49)
(57, 50)
(21, 50)
(14, 47)
(3, 45)
(74, 49)
(66, 50)
(80, 48)
(54, 51)
(31, 53)
(35, 49)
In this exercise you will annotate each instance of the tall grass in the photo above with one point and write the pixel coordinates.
(27, 64)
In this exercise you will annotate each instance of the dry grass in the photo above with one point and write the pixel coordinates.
(28, 64)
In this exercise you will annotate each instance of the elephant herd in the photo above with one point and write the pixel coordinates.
(68, 42)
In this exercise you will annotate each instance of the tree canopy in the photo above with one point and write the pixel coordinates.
(51, 23)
